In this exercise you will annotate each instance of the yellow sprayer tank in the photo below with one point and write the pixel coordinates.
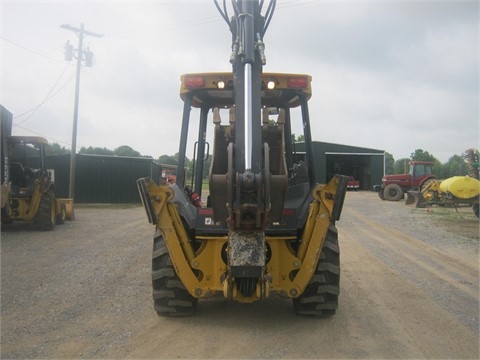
(462, 187)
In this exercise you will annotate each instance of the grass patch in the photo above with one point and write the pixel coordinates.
(462, 221)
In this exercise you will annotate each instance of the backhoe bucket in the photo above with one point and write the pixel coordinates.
(415, 198)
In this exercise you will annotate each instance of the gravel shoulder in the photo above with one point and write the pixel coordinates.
(409, 289)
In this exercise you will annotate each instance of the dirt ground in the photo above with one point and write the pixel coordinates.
(409, 289)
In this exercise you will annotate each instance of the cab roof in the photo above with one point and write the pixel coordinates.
(27, 140)
(217, 90)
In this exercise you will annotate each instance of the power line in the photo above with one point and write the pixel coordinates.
(200, 21)
(49, 96)
(29, 50)
(42, 135)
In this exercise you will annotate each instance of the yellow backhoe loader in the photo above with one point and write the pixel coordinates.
(265, 226)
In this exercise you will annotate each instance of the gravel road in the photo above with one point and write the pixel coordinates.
(409, 289)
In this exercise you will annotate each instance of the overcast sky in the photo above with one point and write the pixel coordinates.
(389, 75)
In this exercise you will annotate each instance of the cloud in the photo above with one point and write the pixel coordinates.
(444, 57)
(390, 75)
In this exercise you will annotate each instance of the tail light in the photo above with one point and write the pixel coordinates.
(194, 82)
(297, 82)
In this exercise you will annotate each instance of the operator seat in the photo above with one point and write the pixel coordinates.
(17, 174)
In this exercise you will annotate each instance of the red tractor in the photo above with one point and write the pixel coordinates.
(394, 186)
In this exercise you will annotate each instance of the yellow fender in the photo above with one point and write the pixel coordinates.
(325, 209)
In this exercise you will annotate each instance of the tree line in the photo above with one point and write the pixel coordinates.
(124, 150)
(455, 165)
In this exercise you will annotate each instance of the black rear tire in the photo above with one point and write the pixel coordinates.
(46, 215)
(380, 194)
(170, 297)
(393, 192)
(320, 297)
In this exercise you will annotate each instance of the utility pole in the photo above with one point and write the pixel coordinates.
(81, 33)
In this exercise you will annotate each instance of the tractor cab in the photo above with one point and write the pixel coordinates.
(27, 164)
(419, 171)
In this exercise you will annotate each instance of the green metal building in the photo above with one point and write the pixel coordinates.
(112, 179)
(104, 179)
(364, 164)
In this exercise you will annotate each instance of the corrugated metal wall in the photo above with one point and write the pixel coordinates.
(100, 179)
(5, 130)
